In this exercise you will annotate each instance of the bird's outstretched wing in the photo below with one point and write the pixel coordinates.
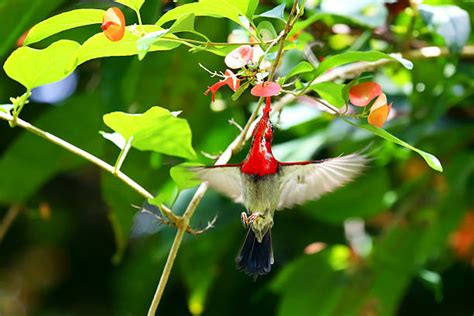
(309, 180)
(222, 178)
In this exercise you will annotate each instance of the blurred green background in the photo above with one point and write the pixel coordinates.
(397, 241)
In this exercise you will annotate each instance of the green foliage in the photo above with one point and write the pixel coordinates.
(33, 68)
(61, 22)
(409, 212)
(350, 57)
(157, 129)
(132, 4)
(99, 46)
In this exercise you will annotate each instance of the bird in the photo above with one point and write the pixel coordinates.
(265, 185)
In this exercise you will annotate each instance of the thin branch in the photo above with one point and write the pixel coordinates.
(84, 154)
(8, 219)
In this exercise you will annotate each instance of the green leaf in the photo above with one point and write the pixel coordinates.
(351, 57)
(302, 67)
(64, 21)
(157, 130)
(449, 21)
(184, 23)
(213, 8)
(183, 177)
(331, 92)
(132, 4)
(99, 46)
(267, 31)
(144, 43)
(430, 159)
(116, 138)
(33, 68)
(277, 12)
(239, 91)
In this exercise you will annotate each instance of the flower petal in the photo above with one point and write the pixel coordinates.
(379, 102)
(361, 94)
(378, 116)
(231, 80)
(266, 89)
(239, 57)
(213, 89)
(113, 24)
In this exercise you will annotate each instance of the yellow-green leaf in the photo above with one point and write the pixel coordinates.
(157, 130)
(64, 21)
(36, 67)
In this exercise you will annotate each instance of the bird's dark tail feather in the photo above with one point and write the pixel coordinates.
(255, 258)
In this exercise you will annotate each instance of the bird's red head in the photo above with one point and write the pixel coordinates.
(260, 160)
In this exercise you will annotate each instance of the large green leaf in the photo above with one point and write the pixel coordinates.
(132, 4)
(331, 92)
(351, 57)
(157, 129)
(35, 67)
(214, 8)
(99, 46)
(430, 159)
(64, 21)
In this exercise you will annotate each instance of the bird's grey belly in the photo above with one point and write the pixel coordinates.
(260, 194)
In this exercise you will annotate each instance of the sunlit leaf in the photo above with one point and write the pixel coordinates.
(277, 12)
(99, 46)
(62, 22)
(132, 4)
(302, 67)
(266, 30)
(33, 67)
(430, 159)
(331, 92)
(355, 56)
(115, 138)
(156, 130)
(145, 42)
(184, 23)
(183, 177)
(212, 8)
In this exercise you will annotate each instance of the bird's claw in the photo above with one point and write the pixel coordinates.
(248, 220)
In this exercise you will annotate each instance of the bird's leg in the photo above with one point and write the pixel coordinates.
(252, 218)
(245, 219)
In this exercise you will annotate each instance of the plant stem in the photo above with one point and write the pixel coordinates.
(122, 155)
(82, 153)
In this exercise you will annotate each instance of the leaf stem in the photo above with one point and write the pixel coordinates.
(122, 155)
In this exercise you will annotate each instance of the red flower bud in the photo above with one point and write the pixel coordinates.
(113, 24)
(230, 80)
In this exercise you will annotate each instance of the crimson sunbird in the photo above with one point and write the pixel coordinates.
(264, 184)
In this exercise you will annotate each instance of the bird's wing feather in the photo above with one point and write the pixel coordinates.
(308, 181)
(224, 179)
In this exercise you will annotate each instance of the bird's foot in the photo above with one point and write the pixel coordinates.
(245, 219)
(248, 220)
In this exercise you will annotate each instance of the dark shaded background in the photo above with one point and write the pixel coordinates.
(61, 255)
